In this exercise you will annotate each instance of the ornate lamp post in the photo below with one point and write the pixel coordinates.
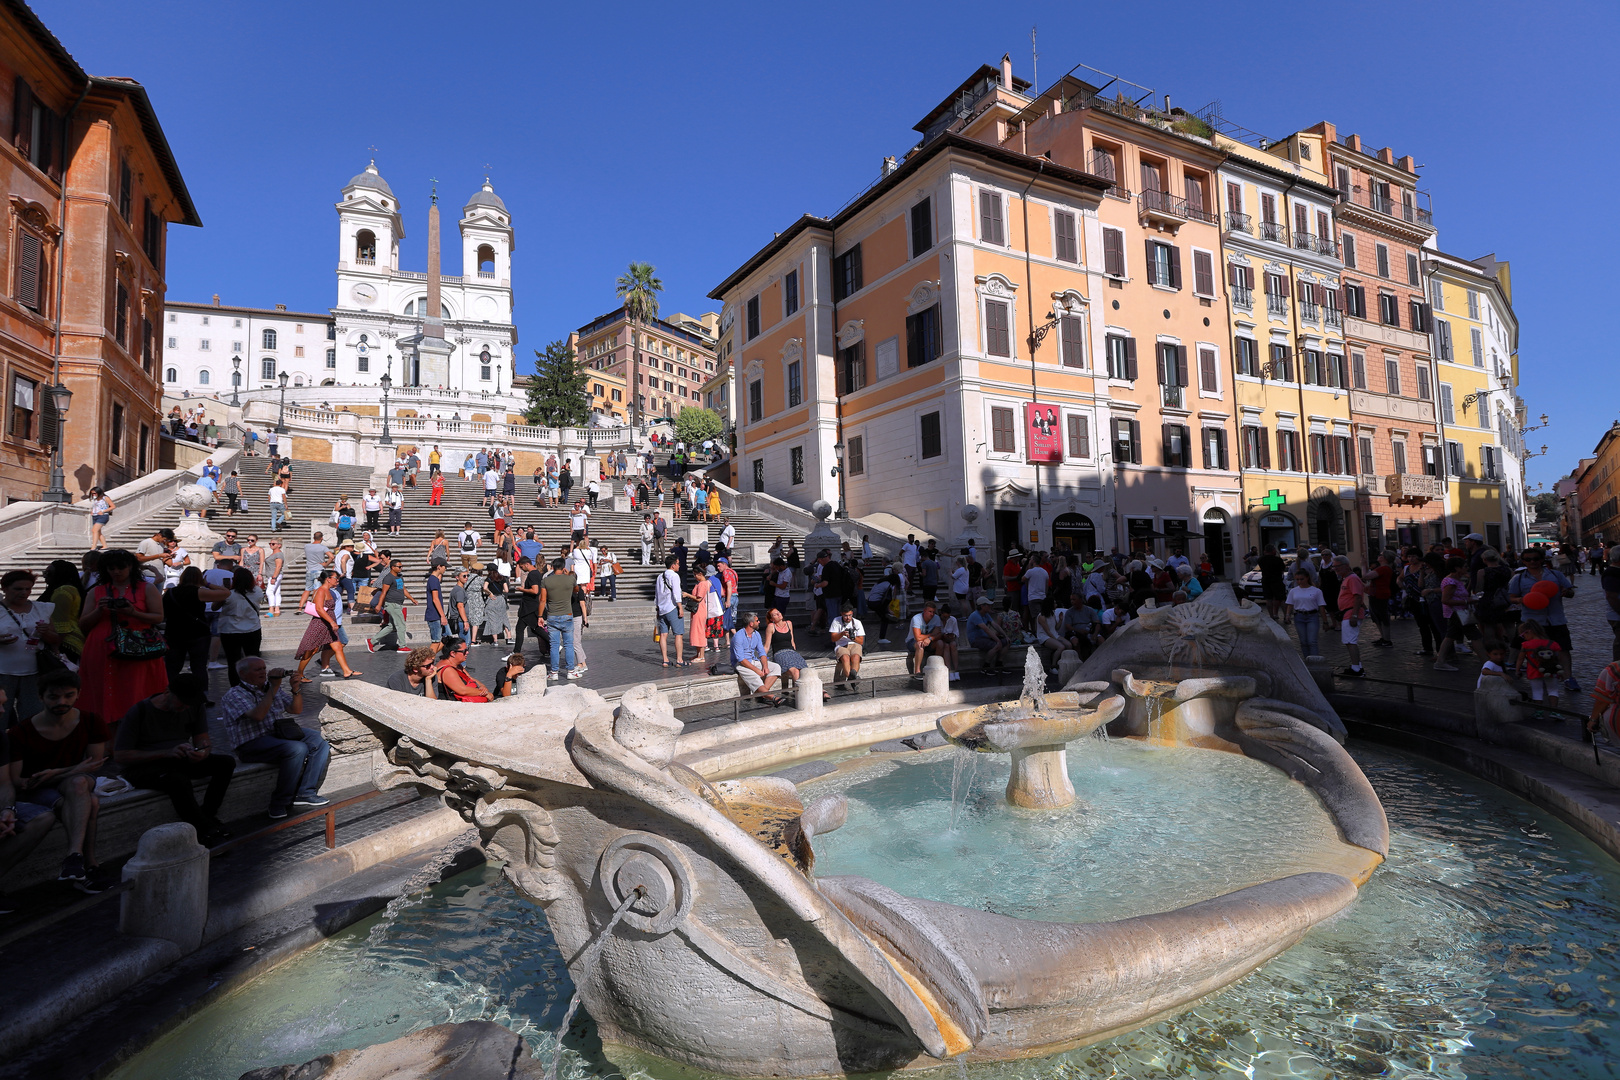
(497, 378)
(281, 417)
(61, 398)
(236, 381)
(387, 381)
(838, 471)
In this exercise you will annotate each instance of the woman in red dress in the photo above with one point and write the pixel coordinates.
(113, 684)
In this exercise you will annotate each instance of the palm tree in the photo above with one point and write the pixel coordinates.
(638, 289)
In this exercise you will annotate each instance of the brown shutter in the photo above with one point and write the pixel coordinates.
(1158, 355)
(1169, 457)
(22, 116)
(1206, 374)
(1136, 442)
(30, 274)
(1265, 447)
(1181, 366)
(1232, 276)
(1114, 252)
(1152, 267)
(1203, 443)
(855, 267)
(1175, 267)
(1130, 359)
(1220, 444)
(48, 138)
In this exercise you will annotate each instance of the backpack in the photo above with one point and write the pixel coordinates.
(895, 610)
(468, 543)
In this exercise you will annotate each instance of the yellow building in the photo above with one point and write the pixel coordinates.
(607, 394)
(1298, 457)
(1474, 343)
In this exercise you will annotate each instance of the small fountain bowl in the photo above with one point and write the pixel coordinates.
(1004, 726)
(1181, 704)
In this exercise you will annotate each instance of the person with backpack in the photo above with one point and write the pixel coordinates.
(1551, 615)
(467, 541)
(885, 600)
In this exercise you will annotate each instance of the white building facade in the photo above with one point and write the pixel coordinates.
(202, 343)
(378, 301)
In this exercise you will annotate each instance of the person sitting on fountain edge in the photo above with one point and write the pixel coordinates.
(985, 635)
(848, 641)
(926, 630)
(754, 667)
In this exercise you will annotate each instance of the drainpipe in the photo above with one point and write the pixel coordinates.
(1029, 286)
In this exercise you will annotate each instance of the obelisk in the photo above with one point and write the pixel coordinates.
(433, 351)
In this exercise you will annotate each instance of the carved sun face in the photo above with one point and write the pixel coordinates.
(1196, 634)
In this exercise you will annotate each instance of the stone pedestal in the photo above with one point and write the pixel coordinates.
(936, 677)
(1067, 665)
(807, 693)
(620, 504)
(1040, 778)
(691, 533)
(170, 897)
(590, 467)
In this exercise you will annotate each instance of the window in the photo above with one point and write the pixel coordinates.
(1163, 264)
(932, 444)
(1358, 370)
(796, 465)
(24, 394)
(141, 449)
(1203, 273)
(1282, 367)
(997, 337)
(1066, 247)
(1268, 210)
(759, 474)
(174, 342)
(1127, 442)
(1419, 312)
(756, 401)
(1152, 176)
(1345, 464)
(121, 315)
(1215, 448)
(1366, 447)
(1412, 275)
(1423, 382)
(1442, 340)
(269, 339)
(1172, 365)
(753, 317)
(1392, 375)
(1079, 435)
(1248, 356)
(1256, 447)
(203, 377)
(1194, 185)
(855, 456)
(1488, 457)
(1003, 433)
(1234, 197)
(1383, 260)
(1341, 180)
(1456, 461)
(1302, 223)
(1476, 343)
(991, 227)
(116, 436)
(1312, 371)
(1348, 243)
(363, 362)
(1114, 252)
(1177, 447)
(1448, 408)
(1473, 304)
(795, 384)
(1321, 449)
(34, 131)
(618, 396)
(1241, 280)
(1071, 332)
(922, 227)
(331, 330)
(1276, 295)
(236, 346)
(1335, 365)
(1397, 449)
(331, 358)
(171, 375)
(125, 189)
(1437, 295)
(1493, 534)
(847, 273)
(365, 247)
(298, 350)
(1355, 301)
(854, 361)
(1121, 356)
(1288, 452)
(267, 369)
(790, 293)
(922, 337)
(1389, 309)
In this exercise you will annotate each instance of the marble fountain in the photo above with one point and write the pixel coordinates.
(697, 929)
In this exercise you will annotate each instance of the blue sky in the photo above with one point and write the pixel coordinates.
(685, 135)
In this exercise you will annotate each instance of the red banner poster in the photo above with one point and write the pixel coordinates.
(1042, 427)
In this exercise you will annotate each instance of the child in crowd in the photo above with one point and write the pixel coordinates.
(1540, 660)
(1495, 666)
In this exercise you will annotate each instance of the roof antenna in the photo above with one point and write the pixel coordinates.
(1034, 62)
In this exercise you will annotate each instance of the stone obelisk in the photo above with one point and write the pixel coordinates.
(433, 351)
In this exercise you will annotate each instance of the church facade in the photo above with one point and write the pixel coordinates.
(381, 307)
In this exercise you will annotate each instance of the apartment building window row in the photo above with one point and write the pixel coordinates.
(1330, 455)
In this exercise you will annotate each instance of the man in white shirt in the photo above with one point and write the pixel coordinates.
(372, 505)
(908, 555)
(492, 483)
(468, 540)
(277, 496)
(959, 585)
(782, 579)
(646, 539)
(848, 642)
(1037, 579)
(926, 628)
(578, 520)
(1176, 561)
(728, 535)
(667, 596)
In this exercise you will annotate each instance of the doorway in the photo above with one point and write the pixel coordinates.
(1279, 530)
(1007, 534)
(1217, 541)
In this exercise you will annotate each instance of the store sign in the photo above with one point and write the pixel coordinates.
(1276, 521)
(1043, 426)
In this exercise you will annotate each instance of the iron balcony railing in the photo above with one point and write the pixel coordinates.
(1333, 317)
(1196, 212)
(1238, 222)
(1403, 210)
(1326, 245)
(1309, 311)
(1274, 231)
(1242, 296)
(1276, 305)
(1162, 202)
(1305, 241)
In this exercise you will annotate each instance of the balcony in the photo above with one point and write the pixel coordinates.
(487, 275)
(1274, 231)
(1239, 222)
(1305, 241)
(1196, 212)
(1173, 397)
(1102, 164)
(1310, 312)
(1161, 208)
(1242, 297)
(363, 261)
(1411, 489)
(1333, 317)
(1277, 305)
(1326, 245)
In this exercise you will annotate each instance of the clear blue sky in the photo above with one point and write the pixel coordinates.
(685, 135)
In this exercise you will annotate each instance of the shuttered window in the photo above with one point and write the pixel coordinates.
(1079, 435)
(1366, 455)
(922, 227)
(1121, 356)
(847, 273)
(30, 271)
(1177, 446)
(1383, 260)
(753, 320)
(1347, 243)
(1412, 275)
(1207, 380)
(1127, 441)
(922, 337)
(1072, 329)
(1442, 339)
(997, 339)
(932, 444)
(991, 227)
(1203, 273)
(1448, 408)
(24, 398)
(1248, 356)
(1392, 375)
(855, 455)
(1114, 253)
(1065, 246)
(1163, 264)
(790, 293)
(1003, 435)
(1422, 382)
(853, 360)
(1476, 343)
(1172, 364)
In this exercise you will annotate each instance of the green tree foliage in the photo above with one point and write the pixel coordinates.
(638, 289)
(560, 395)
(693, 425)
(1547, 507)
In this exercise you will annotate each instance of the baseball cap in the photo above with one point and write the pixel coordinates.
(1475, 536)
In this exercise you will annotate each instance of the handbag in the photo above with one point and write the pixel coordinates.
(138, 642)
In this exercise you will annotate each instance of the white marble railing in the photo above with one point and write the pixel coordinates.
(357, 430)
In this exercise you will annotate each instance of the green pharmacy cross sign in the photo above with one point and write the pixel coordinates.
(1274, 500)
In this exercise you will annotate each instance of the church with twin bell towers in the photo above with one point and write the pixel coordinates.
(425, 328)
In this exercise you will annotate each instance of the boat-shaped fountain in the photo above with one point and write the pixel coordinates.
(717, 946)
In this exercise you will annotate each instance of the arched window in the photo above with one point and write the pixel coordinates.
(267, 369)
(365, 247)
(202, 377)
(483, 365)
(171, 375)
(298, 380)
(486, 261)
(269, 339)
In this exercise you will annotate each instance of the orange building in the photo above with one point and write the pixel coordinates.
(83, 286)
(666, 361)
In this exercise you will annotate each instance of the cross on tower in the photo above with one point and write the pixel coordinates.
(373, 151)
(434, 180)
(487, 168)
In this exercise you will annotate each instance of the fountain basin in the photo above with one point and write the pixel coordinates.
(1166, 705)
(1035, 741)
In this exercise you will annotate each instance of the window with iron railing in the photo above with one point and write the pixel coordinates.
(1304, 241)
(1274, 231)
(1238, 222)
(1173, 396)
(1332, 316)
(1309, 311)
(1242, 297)
(1276, 305)
(1325, 245)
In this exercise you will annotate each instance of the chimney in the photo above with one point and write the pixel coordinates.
(1387, 156)
(1353, 142)
(281, 307)
(1408, 164)
(1006, 70)
(216, 299)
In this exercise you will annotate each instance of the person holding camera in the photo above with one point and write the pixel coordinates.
(258, 718)
(123, 659)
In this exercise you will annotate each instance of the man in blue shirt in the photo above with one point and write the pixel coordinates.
(983, 634)
(530, 547)
(757, 671)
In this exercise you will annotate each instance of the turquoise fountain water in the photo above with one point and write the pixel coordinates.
(1487, 946)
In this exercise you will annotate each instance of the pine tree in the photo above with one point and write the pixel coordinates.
(559, 396)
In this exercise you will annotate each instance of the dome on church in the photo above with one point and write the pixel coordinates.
(485, 196)
(371, 179)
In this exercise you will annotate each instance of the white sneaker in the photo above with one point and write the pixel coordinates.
(955, 675)
(571, 675)
(552, 676)
(216, 665)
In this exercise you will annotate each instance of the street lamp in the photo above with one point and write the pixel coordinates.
(61, 398)
(387, 381)
(497, 378)
(236, 381)
(281, 417)
(838, 471)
